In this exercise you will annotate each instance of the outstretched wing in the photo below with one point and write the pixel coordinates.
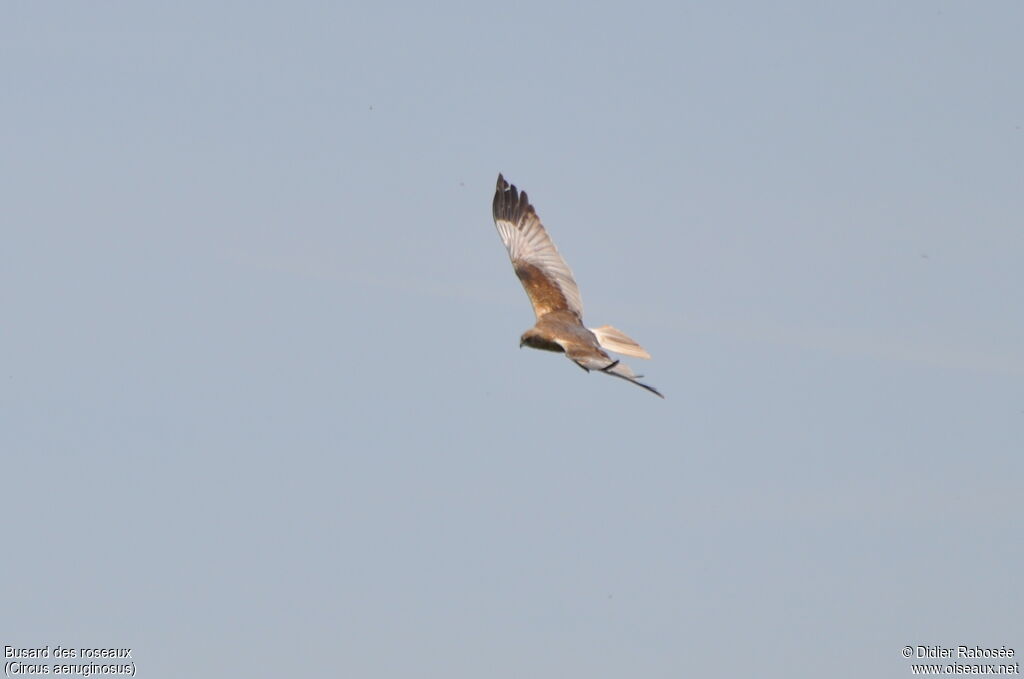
(544, 274)
(592, 358)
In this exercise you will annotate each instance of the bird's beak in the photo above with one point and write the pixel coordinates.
(520, 344)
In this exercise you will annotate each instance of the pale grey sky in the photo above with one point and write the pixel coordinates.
(263, 412)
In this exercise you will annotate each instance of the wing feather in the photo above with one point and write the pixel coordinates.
(544, 274)
(592, 358)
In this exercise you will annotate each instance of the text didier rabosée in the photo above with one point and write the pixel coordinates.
(962, 652)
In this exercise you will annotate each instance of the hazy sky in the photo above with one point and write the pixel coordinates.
(263, 411)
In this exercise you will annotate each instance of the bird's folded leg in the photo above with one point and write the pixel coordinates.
(582, 367)
(609, 366)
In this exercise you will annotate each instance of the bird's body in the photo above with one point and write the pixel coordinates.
(553, 292)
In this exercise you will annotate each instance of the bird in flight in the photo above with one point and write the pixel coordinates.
(553, 292)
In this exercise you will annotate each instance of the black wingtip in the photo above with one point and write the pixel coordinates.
(509, 203)
(649, 388)
(645, 386)
(653, 391)
(635, 381)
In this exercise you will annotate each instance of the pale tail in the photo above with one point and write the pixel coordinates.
(615, 340)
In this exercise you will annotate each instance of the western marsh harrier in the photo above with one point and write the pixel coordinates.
(553, 293)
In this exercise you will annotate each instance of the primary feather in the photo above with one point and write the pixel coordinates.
(544, 274)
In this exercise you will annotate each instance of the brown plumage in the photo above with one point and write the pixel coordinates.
(553, 292)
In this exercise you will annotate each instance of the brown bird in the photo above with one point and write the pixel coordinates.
(554, 295)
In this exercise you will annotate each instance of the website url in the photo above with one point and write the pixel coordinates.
(964, 668)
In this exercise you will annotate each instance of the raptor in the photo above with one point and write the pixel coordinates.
(554, 294)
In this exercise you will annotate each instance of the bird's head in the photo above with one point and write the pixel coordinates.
(537, 339)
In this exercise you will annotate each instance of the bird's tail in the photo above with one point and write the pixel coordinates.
(615, 340)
